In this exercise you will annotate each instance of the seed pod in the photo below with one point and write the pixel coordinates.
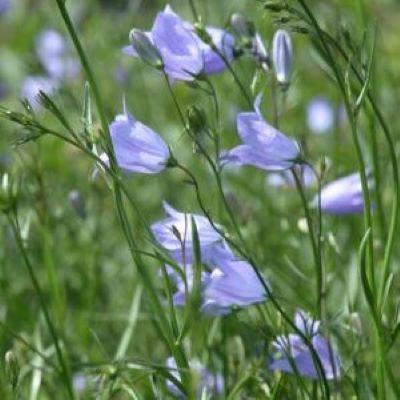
(282, 57)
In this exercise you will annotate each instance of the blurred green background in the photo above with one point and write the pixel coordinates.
(96, 278)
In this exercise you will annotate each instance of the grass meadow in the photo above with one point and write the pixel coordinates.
(196, 212)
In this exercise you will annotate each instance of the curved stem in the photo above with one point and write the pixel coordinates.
(65, 371)
(313, 240)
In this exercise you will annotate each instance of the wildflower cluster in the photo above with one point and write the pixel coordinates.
(203, 282)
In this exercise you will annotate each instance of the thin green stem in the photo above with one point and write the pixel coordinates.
(65, 372)
(194, 10)
(177, 352)
(313, 240)
(270, 296)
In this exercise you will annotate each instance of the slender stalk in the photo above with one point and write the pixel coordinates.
(194, 10)
(88, 70)
(379, 351)
(393, 160)
(64, 367)
(270, 296)
(313, 240)
(214, 168)
(177, 351)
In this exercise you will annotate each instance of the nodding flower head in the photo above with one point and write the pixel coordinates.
(184, 54)
(282, 57)
(263, 146)
(137, 147)
(174, 233)
(343, 196)
(293, 355)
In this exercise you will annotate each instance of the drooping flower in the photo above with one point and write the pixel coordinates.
(320, 115)
(212, 61)
(293, 355)
(53, 53)
(184, 54)
(226, 284)
(282, 56)
(232, 284)
(264, 146)
(342, 196)
(137, 147)
(34, 84)
(174, 233)
(205, 380)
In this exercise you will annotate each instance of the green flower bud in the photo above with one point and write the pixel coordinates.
(145, 48)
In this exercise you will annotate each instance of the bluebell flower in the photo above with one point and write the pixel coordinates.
(342, 196)
(137, 147)
(174, 233)
(32, 85)
(53, 53)
(226, 284)
(293, 355)
(282, 56)
(263, 146)
(183, 53)
(320, 115)
(224, 42)
(232, 284)
(205, 380)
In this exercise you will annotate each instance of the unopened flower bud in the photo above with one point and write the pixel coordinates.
(78, 203)
(145, 48)
(282, 57)
(12, 369)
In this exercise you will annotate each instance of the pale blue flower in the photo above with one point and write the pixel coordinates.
(137, 147)
(53, 53)
(292, 354)
(174, 233)
(32, 85)
(263, 146)
(320, 115)
(232, 284)
(342, 196)
(183, 53)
